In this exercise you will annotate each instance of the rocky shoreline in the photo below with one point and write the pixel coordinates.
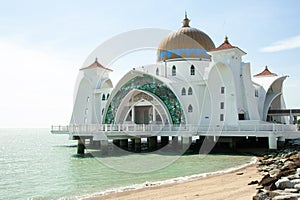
(280, 172)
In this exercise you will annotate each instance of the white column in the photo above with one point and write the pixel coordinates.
(154, 115)
(132, 114)
(272, 141)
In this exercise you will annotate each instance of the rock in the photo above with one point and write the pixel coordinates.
(291, 165)
(298, 171)
(287, 197)
(261, 196)
(295, 181)
(267, 180)
(294, 157)
(293, 176)
(275, 193)
(290, 190)
(271, 187)
(274, 171)
(253, 182)
(284, 183)
(240, 173)
(297, 186)
(285, 172)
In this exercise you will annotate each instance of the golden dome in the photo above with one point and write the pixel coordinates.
(187, 41)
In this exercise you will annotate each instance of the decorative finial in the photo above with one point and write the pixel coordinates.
(266, 67)
(96, 59)
(226, 40)
(186, 21)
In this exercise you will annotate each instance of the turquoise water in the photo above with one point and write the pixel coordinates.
(35, 164)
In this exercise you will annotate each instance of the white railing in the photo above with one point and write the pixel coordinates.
(90, 128)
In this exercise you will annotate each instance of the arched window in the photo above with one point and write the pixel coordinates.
(190, 91)
(88, 99)
(190, 108)
(183, 92)
(86, 111)
(173, 70)
(192, 70)
(103, 97)
(107, 96)
(157, 71)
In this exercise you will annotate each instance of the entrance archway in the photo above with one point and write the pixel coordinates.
(141, 107)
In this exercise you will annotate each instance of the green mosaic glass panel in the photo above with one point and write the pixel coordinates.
(155, 87)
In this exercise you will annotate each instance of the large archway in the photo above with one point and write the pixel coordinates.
(141, 107)
(152, 87)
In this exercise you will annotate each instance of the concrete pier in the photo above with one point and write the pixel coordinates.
(80, 146)
(137, 144)
(186, 141)
(124, 144)
(104, 146)
(152, 143)
(272, 141)
(164, 140)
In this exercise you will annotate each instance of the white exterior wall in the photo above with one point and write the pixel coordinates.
(88, 102)
(225, 70)
(250, 98)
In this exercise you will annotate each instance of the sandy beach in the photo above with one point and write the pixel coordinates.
(231, 185)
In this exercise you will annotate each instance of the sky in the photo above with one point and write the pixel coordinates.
(43, 44)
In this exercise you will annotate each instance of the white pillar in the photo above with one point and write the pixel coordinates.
(186, 140)
(154, 115)
(272, 141)
(132, 114)
(104, 146)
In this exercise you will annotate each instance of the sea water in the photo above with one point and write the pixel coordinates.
(37, 165)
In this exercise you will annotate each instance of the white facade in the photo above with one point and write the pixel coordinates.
(190, 84)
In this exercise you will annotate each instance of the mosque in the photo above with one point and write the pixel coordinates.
(193, 83)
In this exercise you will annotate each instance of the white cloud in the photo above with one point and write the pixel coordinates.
(289, 43)
(36, 85)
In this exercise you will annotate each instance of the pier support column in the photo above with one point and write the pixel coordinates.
(152, 143)
(137, 144)
(272, 141)
(124, 144)
(281, 141)
(104, 146)
(175, 143)
(80, 146)
(175, 140)
(186, 142)
(232, 143)
(164, 140)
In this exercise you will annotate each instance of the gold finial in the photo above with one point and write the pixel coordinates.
(186, 21)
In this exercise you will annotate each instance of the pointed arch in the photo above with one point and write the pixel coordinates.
(183, 91)
(173, 70)
(190, 108)
(192, 70)
(190, 91)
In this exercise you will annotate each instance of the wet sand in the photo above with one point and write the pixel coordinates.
(231, 185)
